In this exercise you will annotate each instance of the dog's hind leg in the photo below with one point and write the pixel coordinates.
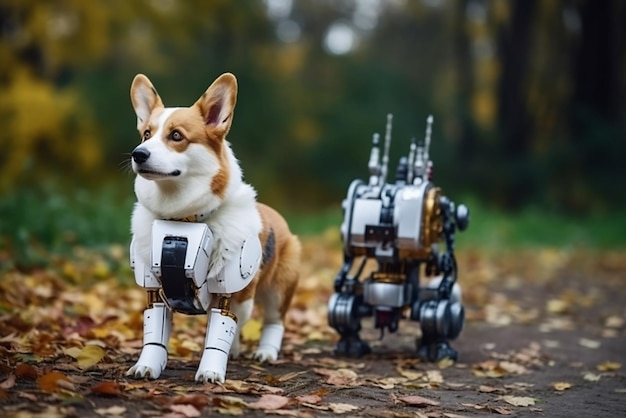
(275, 300)
(157, 324)
(243, 312)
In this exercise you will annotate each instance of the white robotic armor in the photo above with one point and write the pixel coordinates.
(143, 274)
(180, 262)
(364, 212)
(408, 207)
(240, 269)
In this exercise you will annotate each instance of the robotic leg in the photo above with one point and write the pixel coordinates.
(344, 314)
(220, 333)
(157, 324)
(441, 320)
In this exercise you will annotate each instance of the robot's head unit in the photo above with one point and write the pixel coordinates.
(403, 219)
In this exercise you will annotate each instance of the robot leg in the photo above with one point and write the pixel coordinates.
(441, 321)
(221, 331)
(344, 314)
(157, 324)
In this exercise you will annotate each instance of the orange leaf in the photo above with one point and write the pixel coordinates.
(49, 382)
(269, 402)
(198, 400)
(107, 388)
(26, 371)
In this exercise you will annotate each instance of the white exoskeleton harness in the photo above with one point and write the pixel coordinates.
(177, 281)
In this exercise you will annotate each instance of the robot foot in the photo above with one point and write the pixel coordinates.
(352, 347)
(436, 351)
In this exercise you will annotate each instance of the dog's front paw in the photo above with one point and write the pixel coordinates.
(151, 363)
(204, 376)
(264, 354)
(212, 366)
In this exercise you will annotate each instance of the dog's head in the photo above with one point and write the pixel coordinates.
(179, 144)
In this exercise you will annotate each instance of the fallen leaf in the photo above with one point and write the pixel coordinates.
(342, 408)
(410, 374)
(588, 343)
(107, 388)
(445, 363)
(557, 306)
(187, 410)
(26, 371)
(488, 389)
(309, 399)
(340, 377)
(252, 330)
(517, 400)
(52, 382)
(614, 322)
(561, 386)
(270, 402)
(197, 400)
(591, 377)
(89, 356)
(229, 405)
(609, 366)
(113, 410)
(415, 400)
(8, 383)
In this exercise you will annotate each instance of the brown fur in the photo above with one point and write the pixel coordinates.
(280, 273)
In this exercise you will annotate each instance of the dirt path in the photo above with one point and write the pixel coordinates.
(545, 337)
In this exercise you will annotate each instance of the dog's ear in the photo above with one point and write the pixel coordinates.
(144, 97)
(217, 104)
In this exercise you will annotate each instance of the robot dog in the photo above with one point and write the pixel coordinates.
(400, 225)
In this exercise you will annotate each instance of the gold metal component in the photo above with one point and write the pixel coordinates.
(153, 297)
(382, 277)
(432, 222)
(224, 306)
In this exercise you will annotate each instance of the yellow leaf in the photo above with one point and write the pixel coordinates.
(90, 356)
(518, 400)
(72, 352)
(609, 366)
(342, 408)
(591, 377)
(252, 330)
(561, 386)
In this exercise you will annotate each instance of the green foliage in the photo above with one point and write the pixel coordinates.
(55, 217)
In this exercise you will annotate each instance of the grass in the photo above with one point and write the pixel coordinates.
(55, 219)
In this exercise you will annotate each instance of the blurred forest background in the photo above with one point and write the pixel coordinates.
(528, 96)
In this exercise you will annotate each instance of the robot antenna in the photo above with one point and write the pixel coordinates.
(385, 164)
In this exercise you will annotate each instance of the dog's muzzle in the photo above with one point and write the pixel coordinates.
(140, 155)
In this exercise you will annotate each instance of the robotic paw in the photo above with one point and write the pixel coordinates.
(352, 347)
(435, 352)
(265, 354)
(151, 363)
(204, 376)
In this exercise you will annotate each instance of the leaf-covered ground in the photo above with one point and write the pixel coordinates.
(545, 336)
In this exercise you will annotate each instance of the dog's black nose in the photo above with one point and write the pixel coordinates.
(140, 155)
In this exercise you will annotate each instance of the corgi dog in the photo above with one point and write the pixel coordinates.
(186, 170)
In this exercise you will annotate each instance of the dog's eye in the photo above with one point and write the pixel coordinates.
(146, 134)
(176, 136)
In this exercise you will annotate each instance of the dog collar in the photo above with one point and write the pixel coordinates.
(199, 217)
